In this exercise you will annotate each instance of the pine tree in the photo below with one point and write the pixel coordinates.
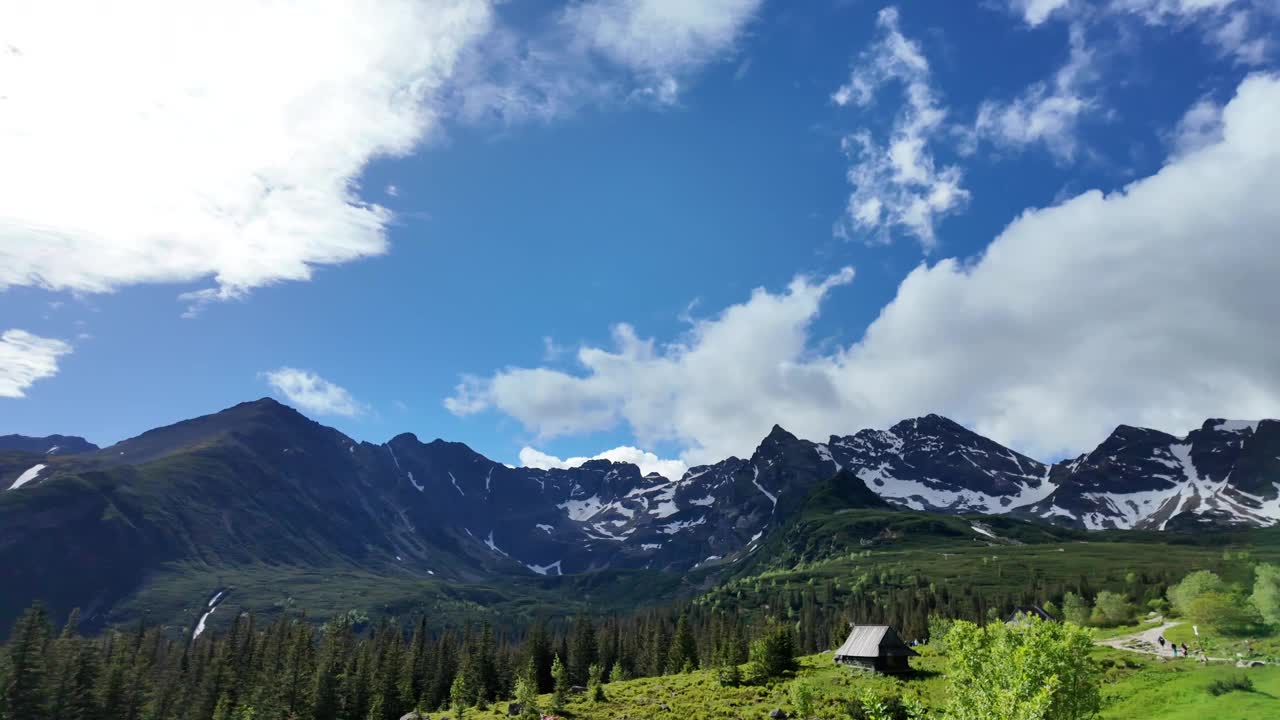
(527, 693)
(583, 652)
(459, 695)
(540, 655)
(595, 683)
(560, 694)
(24, 695)
(683, 656)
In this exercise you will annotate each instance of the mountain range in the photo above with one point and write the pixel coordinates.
(259, 484)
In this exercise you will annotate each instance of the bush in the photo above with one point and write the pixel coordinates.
(803, 698)
(1266, 592)
(1241, 682)
(1193, 586)
(939, 626)
(1227, 612)
(1112, 609)
(1075, 609)
(1038, 669)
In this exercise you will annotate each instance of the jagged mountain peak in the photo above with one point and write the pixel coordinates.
(778, 436)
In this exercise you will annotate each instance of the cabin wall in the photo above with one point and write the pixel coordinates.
(868, 664)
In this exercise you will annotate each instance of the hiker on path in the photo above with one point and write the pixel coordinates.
(1184, 650)
(1161, 641)
(1175, 650)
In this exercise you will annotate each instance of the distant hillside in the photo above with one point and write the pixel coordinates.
(48, 445)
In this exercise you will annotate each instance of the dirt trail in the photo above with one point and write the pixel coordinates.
(1147, 642)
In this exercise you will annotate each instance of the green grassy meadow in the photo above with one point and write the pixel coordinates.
(1135, 687)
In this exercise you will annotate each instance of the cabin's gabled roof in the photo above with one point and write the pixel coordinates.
(871, 641)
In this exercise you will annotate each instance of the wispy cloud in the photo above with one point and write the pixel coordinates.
(1046, 112)
(597, 52)
(312, 393)
(26, 358)
(897, 185)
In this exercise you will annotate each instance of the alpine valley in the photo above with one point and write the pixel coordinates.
(263, 505)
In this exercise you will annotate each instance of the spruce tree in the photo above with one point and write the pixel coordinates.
(560, 694)
(582, 654)
(527, 694)
(683, 655)
(24, 693)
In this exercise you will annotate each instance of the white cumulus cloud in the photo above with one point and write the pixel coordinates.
(1152, 305)
(647, 462)
(26, 358)
(148, 141)
(312, 393)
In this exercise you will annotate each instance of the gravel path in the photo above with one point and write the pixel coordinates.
(1146, 642)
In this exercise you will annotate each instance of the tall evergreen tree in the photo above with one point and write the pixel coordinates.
(24, 692)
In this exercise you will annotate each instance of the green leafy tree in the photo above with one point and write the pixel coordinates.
(1052, 610)
(1266, 592)
(560, 693)
(939, 626)
(1112, 608)
(1075, 609)
(1035, 671)
(1228, 612)
(1193, 586)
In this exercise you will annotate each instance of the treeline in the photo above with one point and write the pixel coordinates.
(291, 668)
(819, 609)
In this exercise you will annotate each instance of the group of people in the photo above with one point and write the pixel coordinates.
(1174, 645)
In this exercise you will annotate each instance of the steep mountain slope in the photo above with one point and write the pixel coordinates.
(1226, 472)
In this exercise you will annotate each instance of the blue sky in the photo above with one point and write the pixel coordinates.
(452, 252)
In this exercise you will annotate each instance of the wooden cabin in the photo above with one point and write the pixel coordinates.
(1022, 614)
(876, 648)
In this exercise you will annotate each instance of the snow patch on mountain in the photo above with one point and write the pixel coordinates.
(546, 569)
(582, 510)
(27, 476)
(755, 480)
(677, 526)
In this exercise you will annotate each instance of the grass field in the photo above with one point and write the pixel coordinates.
(1135, 688)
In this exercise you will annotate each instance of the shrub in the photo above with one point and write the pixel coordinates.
(803, 698)
(1227, 612)
(1240, 682)
(1039, 669)
(1075, 609)
(1113, 608)
(1193, 586)
(939, 626)
(1266, 592)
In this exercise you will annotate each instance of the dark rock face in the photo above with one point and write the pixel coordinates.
(1224, 473)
